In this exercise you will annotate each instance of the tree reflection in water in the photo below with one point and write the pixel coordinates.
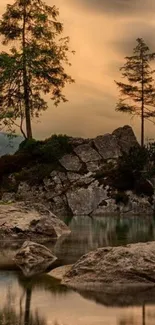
(9, 315)
(17, 310)
(131, 321)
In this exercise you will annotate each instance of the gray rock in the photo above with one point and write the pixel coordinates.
(78, 141)
(73, 177)
(33, 258)
(107, 146)
(126, 138)
(112, 268)
(93, 166)
(108, 207)
(29, 221)
(87, 153)
(84, 201)
(71, 163)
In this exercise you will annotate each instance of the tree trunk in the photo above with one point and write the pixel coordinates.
(142, 125)
(142, 108)
(27, 306)
(25, 81)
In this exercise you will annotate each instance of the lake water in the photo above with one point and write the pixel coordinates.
(42, 300)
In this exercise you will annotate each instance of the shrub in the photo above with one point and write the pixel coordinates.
(130, 168)
(35, 174)
(13, 163)
(50, 150)
(30, 146)
(55, 147)
(143, 186)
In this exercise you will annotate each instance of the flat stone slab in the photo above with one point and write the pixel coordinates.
(59, 272)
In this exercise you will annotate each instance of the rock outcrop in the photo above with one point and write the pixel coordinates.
(33, 258)
(126, 138)
(79, 185)
(114, 269)
(19, 221)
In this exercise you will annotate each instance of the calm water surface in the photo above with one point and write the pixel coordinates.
(43, 301)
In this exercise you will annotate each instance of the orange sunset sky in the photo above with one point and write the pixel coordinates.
(102, 32)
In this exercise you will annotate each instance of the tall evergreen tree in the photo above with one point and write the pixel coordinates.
(137, 96)
(35, 63)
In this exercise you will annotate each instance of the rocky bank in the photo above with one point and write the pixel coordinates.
(20, 222)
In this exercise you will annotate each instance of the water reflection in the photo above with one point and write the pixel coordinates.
(18, 300)
(43, 301)
(90, 233)
(9, 316)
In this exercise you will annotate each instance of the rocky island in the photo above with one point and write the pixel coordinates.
(75, 176)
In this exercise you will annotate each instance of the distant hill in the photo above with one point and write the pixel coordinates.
(7, 145)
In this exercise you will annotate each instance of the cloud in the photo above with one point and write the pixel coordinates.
(127, 40)
(119, 7)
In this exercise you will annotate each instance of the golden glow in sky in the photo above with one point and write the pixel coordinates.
(102, 32)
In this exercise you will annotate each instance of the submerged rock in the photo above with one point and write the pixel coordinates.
(114, 269)
(29, 221)
(34, 258)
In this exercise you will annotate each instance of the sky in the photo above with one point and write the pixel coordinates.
(102, 32)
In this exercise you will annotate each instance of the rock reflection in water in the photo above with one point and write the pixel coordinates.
(43, 301)
(90, 233)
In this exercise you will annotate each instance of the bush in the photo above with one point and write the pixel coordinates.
(55, 147)
(143, 186)
(29, 145)
(35, 175)
(135, 160)
(50, 150)
(130, 168)
(12, 163)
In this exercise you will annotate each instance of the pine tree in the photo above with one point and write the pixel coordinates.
(137, 96)
(35, 63)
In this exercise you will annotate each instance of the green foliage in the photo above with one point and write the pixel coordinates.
(36, 66)
(137, 95)
(130, 168)
(135, 160)
(55, 147)
(35, 175)
(133, 171)
(34, 160)
(47, 151)
(143, 186)
(31, 147)
(10, 164)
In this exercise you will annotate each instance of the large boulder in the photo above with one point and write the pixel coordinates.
(29, 221)
(33, 258)
(126, 138)
(114, 268)
(107, 146)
